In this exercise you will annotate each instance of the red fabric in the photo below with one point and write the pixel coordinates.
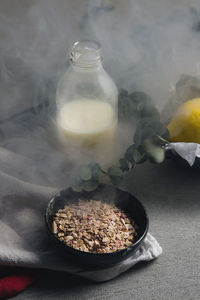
(13, 284)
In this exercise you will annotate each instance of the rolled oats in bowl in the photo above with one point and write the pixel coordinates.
(97, 228)
(94, 226)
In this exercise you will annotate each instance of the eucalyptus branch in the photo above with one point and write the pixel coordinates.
(164, 140)
(148, 143)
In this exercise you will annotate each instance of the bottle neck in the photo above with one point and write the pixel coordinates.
(86, 56)
(82, 68)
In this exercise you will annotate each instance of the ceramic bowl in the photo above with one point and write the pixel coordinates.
(122, 199)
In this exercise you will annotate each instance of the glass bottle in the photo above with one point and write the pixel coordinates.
(87, 106)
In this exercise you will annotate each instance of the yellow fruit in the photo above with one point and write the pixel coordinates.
(185, 124)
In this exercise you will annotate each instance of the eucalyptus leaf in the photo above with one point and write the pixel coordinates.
(139, 97)
(187, 81)
(144, 130)
(85, 172)
(139, 155)
(123, 93)
(124, 109)
(160, 141)
(77, 186)
(115, 174)
(136, 105)
(124, 164)
(147, 128)
(140, 106)
(145, 106)
(90, 185)
(115, 180)
(149, 111)
(115, 171)
(96, 171)
(155, 152)
(129, 154)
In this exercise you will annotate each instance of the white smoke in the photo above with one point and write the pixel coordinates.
(146, 45)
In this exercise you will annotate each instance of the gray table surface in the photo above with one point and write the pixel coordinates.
(170, 194)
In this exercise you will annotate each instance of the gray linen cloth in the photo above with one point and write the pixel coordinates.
(31, 172)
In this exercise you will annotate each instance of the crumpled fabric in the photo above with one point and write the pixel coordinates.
(32, 171)
(188, 151)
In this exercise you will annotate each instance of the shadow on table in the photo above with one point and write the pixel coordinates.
(52, 280)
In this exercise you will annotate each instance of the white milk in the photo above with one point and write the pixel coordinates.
(90, 125)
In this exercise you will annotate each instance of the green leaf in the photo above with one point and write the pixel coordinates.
(155, 153)
(140, 106)
(115, 171)
(139, 155)
(124, 164)
(115, 180)
(136, 105)
(123, 93)
(90, 185)
(96, 171)
(139, 97)
(77, 185)
(123, 105)
(145, 129)
(85, 172)
(158, 140)
(188, 81)
(148, 128)
(115, 174)
(129, 154)
(145, 105)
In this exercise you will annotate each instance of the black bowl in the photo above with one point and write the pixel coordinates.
(109, 194)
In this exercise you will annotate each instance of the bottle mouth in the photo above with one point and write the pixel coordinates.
(85, 53)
